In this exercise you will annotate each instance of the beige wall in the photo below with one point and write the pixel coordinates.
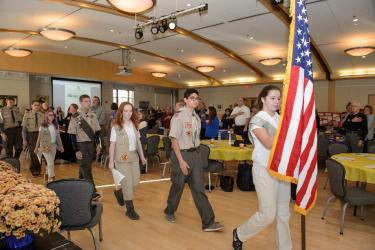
(16, 84)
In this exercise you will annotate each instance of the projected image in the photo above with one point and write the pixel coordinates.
(66, 91)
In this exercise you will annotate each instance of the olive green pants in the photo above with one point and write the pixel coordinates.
(130, 169)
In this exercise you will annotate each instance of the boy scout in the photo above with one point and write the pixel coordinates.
(186, 163)
(30, 127)
(10, 128)
(84, 130)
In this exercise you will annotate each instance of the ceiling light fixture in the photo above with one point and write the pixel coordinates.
(17, 52)
(205, 68)
(172, 23)
(158, 74)
(359, 51)
(270, 61)
(57, 34)
(132, 6)
(138, 33)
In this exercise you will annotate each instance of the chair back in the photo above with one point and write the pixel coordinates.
(337, 148)
(143, 133)
(336, 177)
(205, 153)
(323, 144)
(75, 201)
(167, 146)
(16, 164)
(153, 145)
(371, 149)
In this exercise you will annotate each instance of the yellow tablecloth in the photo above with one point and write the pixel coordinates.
(359, 167)
(161, 143)
(222, 151)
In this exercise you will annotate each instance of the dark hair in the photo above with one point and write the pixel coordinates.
(45, 122)
(347, 105)
(74, 106)
(264, 93)
(369, 107)
(9, 98)
(83, 97)
(189, 92)
(114, 106)
(35, 101)
(227, 109)
(211, 114)
(97, 97)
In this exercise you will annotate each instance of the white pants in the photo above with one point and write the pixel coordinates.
(274, 198)
(50, 159)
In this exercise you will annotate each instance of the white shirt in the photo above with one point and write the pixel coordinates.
(129, 129)
(241, 119)
(260, 152)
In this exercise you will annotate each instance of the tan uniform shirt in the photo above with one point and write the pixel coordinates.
(31, 123)
(75, 125)
(186, 127)
(7, 119)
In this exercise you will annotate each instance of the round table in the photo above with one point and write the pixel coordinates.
(358, 166)
(222, 151)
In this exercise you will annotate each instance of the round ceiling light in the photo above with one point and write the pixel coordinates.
(270, 61)
(205, 68)
(17, 52)
(360, 51)
(132, 6)
(158, 74)
(57, 34)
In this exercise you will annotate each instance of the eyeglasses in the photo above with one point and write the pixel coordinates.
(195, 98)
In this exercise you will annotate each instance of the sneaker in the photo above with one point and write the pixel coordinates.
(214, 227)
(119, 197)
(236, 242)
(96, 197)
(170, 217)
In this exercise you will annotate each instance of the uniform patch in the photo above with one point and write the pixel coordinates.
(188, 125)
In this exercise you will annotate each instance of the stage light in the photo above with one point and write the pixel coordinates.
(138, 33)
(154, 28)
(163, 25)
(172, 23)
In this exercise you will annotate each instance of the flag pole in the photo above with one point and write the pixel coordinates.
(303, 232)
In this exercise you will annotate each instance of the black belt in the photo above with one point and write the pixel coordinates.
(191, 150)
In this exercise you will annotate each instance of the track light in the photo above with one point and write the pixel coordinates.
(138, 33)
(163, 25)
(154, 28)
(172, 23)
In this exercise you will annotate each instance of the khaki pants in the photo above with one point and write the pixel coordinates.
(274, 198)
(132, 174)
(50, 159)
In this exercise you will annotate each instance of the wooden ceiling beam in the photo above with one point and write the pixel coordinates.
(282, 13)
(212, 81)
(110, 10)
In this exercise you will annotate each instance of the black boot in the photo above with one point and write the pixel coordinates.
(130, 212)
(119, 197)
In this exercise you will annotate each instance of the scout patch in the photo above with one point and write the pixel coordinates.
(124, 157)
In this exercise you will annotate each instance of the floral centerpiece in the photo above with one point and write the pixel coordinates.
(29, 208)
(9, 179)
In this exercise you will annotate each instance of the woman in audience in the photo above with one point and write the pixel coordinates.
(48, 142)
(273, 194)
(71, 111)
(124, 152)
(212, 124)
(226, 120)
(370, 125)
(166, 118)
(60, 116)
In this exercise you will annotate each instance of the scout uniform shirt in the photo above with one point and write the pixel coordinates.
(75, 125)
(124, 142)
(10, 117)
(186, 127)
(49, 135)
(32, 121)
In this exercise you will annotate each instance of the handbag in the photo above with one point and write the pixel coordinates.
(226, 183)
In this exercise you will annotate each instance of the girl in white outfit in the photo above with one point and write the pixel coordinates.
(48, 142)
(273, 194)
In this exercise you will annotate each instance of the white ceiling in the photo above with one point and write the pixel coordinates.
(229, 23)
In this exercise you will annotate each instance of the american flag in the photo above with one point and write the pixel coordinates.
(294, 153)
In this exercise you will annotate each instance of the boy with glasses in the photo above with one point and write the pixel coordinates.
(186, 163)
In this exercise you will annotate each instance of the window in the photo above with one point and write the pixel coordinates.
(123, 95)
